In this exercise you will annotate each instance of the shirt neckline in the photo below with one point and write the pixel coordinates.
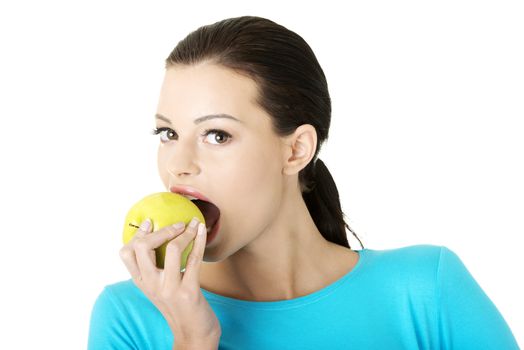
(290, 303)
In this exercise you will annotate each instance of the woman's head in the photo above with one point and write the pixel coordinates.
(268, 78)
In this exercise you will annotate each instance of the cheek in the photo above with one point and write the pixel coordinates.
(254, 186)
(162, 170)
(252, 174)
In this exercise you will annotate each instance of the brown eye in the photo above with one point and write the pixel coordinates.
(219, 136)
(170, 134)
(165, 132)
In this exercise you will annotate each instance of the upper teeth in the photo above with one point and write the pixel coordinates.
(189, 197)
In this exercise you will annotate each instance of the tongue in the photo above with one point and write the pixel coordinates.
(209, 210)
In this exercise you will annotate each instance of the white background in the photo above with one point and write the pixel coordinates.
(426, 142)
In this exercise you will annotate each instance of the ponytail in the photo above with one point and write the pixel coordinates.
(322, 200)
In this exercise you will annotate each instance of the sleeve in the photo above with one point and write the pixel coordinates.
(107, 329)
(468, 319)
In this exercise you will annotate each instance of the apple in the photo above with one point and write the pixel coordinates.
(163, 209)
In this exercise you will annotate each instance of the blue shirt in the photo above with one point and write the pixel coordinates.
(416, 297)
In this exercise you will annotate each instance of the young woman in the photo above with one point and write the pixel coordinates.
(243, 110)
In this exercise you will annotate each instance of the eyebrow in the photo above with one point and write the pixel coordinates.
(201, 119)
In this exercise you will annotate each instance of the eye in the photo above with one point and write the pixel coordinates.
(164, 132)
(220, 135)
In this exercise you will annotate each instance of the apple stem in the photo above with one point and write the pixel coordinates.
(134, 225)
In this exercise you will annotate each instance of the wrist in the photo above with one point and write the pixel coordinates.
(209, 343)
(204, 341)
(201, 345)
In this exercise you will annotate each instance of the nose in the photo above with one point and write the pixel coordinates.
(181, 161)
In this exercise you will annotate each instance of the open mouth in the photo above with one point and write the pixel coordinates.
(210, 211)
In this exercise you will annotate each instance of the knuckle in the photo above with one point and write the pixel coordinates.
(140, 244)
(186, 296)
(125, 253)
(170, 230)
(192, 260)
(174, 247)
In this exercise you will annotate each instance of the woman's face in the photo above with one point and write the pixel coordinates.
(239, 169)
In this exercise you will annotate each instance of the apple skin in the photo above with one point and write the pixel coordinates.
(163, 209)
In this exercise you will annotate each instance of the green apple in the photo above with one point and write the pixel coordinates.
(163, 209)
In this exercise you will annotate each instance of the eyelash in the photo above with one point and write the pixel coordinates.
(206, 132)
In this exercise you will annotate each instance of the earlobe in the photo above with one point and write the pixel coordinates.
(301, 148)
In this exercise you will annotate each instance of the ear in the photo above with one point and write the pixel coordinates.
(299, 149)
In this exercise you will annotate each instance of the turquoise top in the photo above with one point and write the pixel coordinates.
(416, 297)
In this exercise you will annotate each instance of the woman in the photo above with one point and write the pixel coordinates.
(243, 110)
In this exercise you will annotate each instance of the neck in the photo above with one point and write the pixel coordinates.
(289, 259)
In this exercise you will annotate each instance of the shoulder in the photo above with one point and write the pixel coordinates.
(125, 287)
(124, 318)
(123, 303)
(422, 256)
(123, 297)
(121, 290)
(414, 267)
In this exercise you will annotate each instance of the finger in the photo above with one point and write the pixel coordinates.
(174, 255)
(127, 252)
(194, 261)
(145, 228)
(145, 250)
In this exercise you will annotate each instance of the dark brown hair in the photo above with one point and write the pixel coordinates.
(292, 89)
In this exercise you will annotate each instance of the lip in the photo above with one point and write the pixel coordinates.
(189, 191)
(192, 192)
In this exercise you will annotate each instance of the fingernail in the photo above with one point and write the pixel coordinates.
(193, 223)
(145, 225)
(179, 225)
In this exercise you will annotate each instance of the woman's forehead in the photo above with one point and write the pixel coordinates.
(207, 89)
(211, 79)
